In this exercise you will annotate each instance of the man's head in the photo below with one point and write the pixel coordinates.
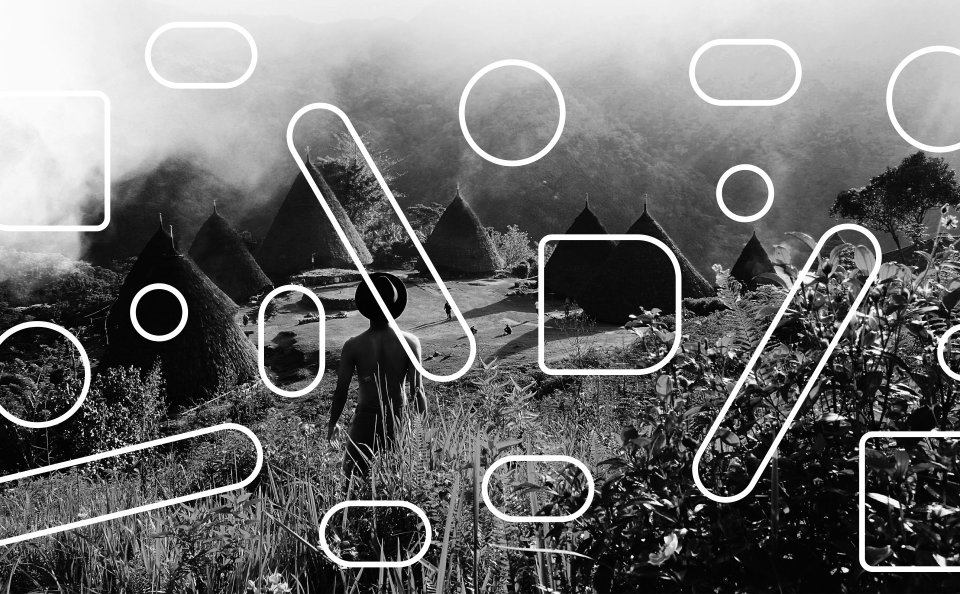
(391, 290)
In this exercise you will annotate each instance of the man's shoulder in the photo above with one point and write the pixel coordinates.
(410, 337)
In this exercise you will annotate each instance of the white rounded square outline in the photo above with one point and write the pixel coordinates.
(862, 503)
(148, 54)
(322, 529)
(537, 458)
(261, 346)
(541, 307)
(106, 162)
(745, 102)
(140, 508)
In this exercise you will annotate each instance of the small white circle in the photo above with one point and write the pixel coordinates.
(933, 49)
(463, 113)
(766, 179)
(942, 344)
(136, 301)
(86, 375)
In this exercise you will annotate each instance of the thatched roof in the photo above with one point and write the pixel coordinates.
(638, 274)
(302, 237)
(574, 264)
(220, 252)
(459, 244)
(753, 261)
(209, 354)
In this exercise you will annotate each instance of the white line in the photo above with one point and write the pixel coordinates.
(375, 503)
(148, 55)
(745, 102)
(261, 343)
(944, 49)
(537, 458)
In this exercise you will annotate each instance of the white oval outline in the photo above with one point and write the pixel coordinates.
(537, 458)
(941, 344)
(183, 309)
(746, 102)
(471, 339)
(541, 303)
(375, 503)
(463, 113)
(787, 302)
(148, 54)
(766, 206)
(86, 376)
(140, 508)
(932, 49)
(261, 347)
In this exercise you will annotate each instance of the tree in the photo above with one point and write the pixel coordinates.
(897, 200)
(513, 246)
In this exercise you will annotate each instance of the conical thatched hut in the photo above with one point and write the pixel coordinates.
(302, 237)
(209, 354)
(459, 244)
(638, 274)
(220, 252)
(752, 262)
(574, 264)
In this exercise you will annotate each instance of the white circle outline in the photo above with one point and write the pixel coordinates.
(148, 54)
(942, 344)
(183, 308)
(798, 73)
(86, 375)
(463, 113)
(932, 49)
(766, 206)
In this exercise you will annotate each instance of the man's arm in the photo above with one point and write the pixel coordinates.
(344, 375)
(414, 376)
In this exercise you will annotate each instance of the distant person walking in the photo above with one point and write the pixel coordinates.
(448, 309)
(383, 372)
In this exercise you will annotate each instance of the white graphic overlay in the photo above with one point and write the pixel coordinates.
(766, 180)
(106, 162)
(261, 343)
(745, 102)
(541, 282)
(86, 376)
(537, 458)
(941, 345)
(406, 225)
(933, 49)
(183, 312)
(148, 55)
(463, 113)
(325, 546)
(813, 377)
(139, 508)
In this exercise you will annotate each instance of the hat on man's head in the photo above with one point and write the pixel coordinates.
(391, 290)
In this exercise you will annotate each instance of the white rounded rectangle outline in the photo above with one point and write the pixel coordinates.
(748, 369)
(471, 339)
(261, 346)
(106, 162)
(541, 330)
(862, 502)
(745, 102)
(148, 54)
(375, 503)
(140, 508)
(537, 458)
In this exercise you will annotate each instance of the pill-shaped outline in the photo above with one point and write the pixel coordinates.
(462, 113)
(148, 54)
(140, 508)
(862, 503)
(541, 330)
(788, 301)
(932, 49)
(261, 346)
(537, 458)
(375, 503)
(766, 205)
(107, 183)
(184, 312)
(353, 253)
(941, 345)
(86, 375)
(745, 102)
